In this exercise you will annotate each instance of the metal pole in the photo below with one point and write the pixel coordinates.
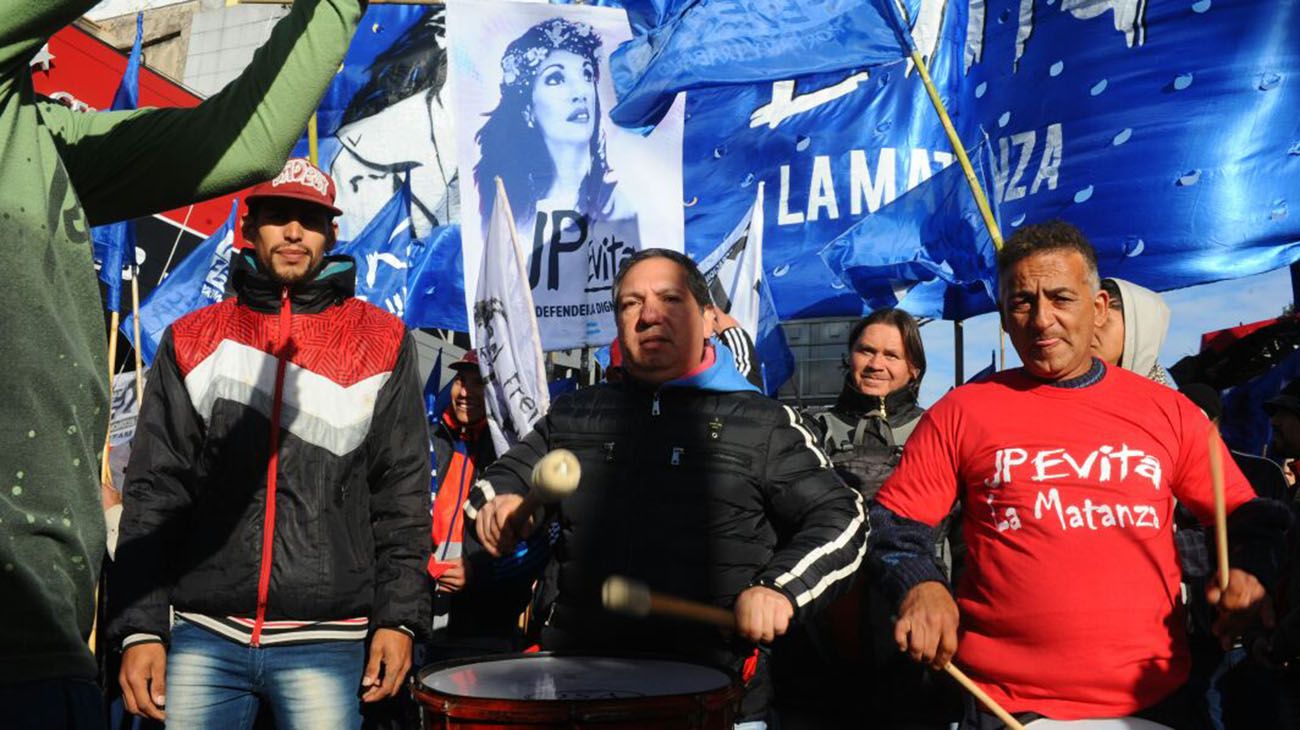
(958, 352)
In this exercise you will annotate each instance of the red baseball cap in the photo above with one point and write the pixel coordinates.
(467, 361)
(299, 180)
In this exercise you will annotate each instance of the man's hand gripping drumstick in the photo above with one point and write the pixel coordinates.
(509, 518)
(761, 614)
(633, 598)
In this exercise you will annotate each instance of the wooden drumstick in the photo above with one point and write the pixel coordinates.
(982, 696)
(1220, 506)
(634, 598)
(555, 476)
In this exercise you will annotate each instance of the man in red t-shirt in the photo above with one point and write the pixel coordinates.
(1068, 471)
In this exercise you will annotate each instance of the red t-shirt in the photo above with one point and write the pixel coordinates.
(1070, 603)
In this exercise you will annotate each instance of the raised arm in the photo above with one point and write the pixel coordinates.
(133, 163)
(26, 25)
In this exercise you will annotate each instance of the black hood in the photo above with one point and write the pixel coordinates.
(332, 283)
(898, 406)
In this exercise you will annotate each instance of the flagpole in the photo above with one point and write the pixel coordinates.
(135, 327)
(106, 473)
(959, 352)
(981, 201)
(957, 147)
(313, 140)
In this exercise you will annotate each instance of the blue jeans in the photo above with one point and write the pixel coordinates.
(213, 682)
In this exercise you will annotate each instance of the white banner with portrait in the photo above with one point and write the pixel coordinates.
(531, 91)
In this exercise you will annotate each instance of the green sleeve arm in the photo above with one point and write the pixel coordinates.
(133, 163)
(25, 26)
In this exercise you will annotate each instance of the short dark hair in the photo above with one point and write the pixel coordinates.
(695, 281)
(907, 327)
(1056, 235)
(1116, 296)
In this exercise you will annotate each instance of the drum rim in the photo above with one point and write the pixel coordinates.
(482, 708)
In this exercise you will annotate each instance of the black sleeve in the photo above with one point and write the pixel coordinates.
(828, 521)
(512, 473)
(1257, 539)
(742, 349)
(156, 499)
(902, 553)
(399, 498)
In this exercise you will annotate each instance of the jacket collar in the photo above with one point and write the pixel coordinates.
(334, 282)
(851, 400)
(464, 433)
(716, 372)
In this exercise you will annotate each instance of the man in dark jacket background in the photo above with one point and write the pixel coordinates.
(692, 482)
(478, 598)
(277, 494)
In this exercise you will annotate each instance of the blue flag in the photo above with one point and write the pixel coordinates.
(436, 282)
(1245, 424)
(928, 252)
(114, 244)
(1165, 131)
(717, 42)
(199, 280)
(431, 389)
(383, 254)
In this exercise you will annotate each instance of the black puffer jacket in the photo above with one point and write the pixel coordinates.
(864, 434)
(350, 500)
(699, 494)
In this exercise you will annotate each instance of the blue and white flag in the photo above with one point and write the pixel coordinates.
(114, 244)
(1165, 131)
(717, 42)
(929, 252)
(738, 286)
(199, 280)
(383, 255)
(435, 284)
(432, 386)
(505, 333)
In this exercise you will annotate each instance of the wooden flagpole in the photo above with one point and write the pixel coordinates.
(105, 473)
(135, 330)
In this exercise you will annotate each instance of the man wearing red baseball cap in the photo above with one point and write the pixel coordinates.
(276, 496)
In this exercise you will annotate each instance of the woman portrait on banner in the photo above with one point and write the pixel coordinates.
(544, 140)
(397, 126)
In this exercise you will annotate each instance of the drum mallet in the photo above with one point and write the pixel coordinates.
(555, 476)
(1220, 507)
(634, 598)
(979, 694)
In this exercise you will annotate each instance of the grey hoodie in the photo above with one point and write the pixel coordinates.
(1146, 322)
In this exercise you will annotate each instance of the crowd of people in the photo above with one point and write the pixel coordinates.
(297, 534)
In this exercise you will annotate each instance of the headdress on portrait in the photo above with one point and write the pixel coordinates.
(526, 53)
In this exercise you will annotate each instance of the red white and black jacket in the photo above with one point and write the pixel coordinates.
(290, 533)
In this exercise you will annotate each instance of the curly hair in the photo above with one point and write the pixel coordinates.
(1055, 235)
(528, 176)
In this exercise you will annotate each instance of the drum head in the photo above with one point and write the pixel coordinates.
(571, 678)
(1114, 723)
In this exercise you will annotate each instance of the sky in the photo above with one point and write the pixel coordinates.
(1194, 310)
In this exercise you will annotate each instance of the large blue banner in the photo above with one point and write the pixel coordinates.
(1165, 130)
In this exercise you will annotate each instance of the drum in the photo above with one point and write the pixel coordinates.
(1114, 723)
(533, 691)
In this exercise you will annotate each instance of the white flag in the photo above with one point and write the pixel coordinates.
(505, 333)
(735, 269)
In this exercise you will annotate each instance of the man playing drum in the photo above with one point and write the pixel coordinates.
(692, 482)
(1067, 470)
